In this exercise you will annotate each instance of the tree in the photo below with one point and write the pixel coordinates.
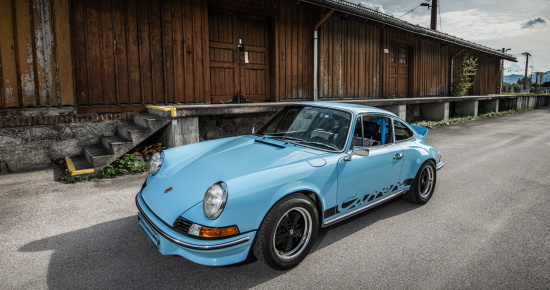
(529, 83)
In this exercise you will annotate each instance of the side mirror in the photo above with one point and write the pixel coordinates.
(357, 150)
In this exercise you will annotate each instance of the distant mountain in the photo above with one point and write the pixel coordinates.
(513, 79)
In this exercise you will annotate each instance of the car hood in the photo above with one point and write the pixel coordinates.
(188, 171)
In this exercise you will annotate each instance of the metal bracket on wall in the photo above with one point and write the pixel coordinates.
(172, 110)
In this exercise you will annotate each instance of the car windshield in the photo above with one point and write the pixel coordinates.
(321, 128)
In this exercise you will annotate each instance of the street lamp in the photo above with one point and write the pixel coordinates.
(504, 50)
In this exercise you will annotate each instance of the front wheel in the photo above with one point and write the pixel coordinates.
(423, 185)
(287, 232)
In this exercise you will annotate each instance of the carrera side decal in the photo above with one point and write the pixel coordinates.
(356, 202)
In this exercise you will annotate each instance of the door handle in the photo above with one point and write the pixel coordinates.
(398, 156)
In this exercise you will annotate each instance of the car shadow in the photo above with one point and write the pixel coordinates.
(117, 254)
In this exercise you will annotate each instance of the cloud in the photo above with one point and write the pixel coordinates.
(478, 25)
(377, 7)
(531, 23)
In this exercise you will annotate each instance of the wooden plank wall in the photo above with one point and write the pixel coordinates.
(156, 51)
(488, 74)
(349, 53)
(140, 52)
(434, 68)
(487, 78)
(35, 54)
(293, 53)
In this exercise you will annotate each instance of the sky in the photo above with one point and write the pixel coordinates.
(523, 26)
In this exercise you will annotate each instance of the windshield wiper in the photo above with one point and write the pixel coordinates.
(284, 138)
(293, 139)
(320, 144)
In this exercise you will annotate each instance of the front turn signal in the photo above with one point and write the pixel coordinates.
(207, 232)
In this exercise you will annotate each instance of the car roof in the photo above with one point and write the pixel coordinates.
(354, 108)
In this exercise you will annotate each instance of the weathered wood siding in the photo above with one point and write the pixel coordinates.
(162, 51)
(434, 68)
(293, 51)
(140, 52)
(35, 54)
(349, 59)
(487, 78)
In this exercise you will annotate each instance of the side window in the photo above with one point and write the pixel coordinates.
(402, 132)
(372, 130)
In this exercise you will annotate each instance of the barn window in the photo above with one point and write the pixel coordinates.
(403, 54)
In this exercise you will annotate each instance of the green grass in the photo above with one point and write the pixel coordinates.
(462, 120)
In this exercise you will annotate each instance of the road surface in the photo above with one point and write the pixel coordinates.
(487, 227)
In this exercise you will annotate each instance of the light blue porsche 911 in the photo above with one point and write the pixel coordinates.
(312, 165)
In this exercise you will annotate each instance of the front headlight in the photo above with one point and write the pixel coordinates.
(214, 200)
(156, 162)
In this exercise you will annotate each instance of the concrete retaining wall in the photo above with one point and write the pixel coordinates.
(27, 146)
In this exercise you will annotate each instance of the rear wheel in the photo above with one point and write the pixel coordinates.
(287, 233)
(423, 185)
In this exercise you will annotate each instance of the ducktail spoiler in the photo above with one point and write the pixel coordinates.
(422, 131)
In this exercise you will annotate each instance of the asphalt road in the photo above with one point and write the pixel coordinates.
(487, 227)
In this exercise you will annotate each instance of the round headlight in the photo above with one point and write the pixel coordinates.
(214, 200)
(156, 162)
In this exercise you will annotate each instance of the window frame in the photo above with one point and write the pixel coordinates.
(389, 124)
(406, 126)
(283, 110)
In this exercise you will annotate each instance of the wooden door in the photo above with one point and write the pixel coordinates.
(399, 71)
(239, 57)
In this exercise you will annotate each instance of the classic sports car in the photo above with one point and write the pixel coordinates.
(312, 165)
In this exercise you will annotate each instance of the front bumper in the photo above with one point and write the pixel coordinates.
(440, 165)
(206, 252)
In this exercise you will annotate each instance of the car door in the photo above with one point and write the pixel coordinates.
(364, 180)
(404, 137)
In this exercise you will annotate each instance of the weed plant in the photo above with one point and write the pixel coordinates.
(464, 119)
(128, 163)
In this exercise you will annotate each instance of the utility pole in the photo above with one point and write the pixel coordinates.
(433, 23)
(527, 55)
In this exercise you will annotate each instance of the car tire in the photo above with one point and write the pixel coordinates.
(423, 185)
(287, 233)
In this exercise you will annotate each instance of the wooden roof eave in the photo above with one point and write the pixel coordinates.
(373, 15)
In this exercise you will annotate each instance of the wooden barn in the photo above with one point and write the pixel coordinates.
(110, 56)
(64, 61)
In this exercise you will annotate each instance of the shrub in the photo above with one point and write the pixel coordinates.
(463, 75)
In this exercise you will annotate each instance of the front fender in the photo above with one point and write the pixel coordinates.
(250, 197)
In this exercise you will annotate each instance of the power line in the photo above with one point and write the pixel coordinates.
(413, 9)
(409, 11)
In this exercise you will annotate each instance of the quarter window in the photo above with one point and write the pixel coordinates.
(402, 132)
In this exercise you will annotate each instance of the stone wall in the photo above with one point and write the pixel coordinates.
(221, 126)
(34, 147)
